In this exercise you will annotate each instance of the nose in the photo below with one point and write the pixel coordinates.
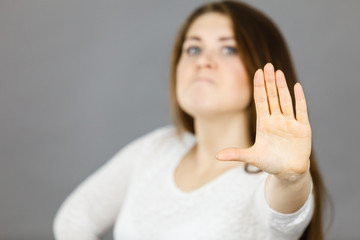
(206, 60)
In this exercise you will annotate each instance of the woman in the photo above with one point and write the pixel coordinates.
(237, 163)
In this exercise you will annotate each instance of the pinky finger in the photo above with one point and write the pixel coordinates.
(301, 108)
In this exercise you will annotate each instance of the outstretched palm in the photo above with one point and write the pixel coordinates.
(283, 142)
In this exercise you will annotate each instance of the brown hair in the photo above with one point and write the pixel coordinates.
(259, 41)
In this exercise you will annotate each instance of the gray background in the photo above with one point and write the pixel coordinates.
(80, 79)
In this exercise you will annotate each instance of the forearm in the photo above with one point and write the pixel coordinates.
(64, 230)
(79, 218)
(286, 196)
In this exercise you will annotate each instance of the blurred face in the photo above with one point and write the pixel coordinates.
(210, 76)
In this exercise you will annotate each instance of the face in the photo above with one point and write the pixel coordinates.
(210, 76)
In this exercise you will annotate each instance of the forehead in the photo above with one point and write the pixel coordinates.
(211, 24)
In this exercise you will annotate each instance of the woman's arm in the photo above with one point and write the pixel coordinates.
(91, 209)
(283, 225)
(287, 196)
(283, 143)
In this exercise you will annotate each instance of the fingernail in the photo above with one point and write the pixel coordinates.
(269, 67)
(218, 156)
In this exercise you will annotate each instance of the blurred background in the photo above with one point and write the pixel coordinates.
(80, 79)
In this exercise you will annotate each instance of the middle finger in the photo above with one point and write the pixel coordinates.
(271, 89)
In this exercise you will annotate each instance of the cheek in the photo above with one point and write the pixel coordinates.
(180, 81)
(240, 88)
(183, 76)
(179, 77)
(180, 72)
(246, 93)
(239, 94)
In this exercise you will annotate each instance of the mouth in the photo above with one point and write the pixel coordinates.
(204, 79)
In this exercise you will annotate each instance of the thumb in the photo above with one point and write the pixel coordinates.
(247, 155)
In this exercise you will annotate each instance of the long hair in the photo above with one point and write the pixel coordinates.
(259, 41)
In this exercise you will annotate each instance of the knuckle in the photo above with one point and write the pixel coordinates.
(261, 99)
(273, 94)
(286, 101)
(270, 78)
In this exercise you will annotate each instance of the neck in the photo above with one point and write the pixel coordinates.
(216, 134)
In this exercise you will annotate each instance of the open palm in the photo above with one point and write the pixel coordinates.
(283, 142)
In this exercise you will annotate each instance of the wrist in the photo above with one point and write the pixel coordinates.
(289, 179)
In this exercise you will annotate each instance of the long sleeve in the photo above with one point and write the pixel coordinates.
(91, 209)
(284, 226)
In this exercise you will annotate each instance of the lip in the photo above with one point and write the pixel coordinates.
(204, 79)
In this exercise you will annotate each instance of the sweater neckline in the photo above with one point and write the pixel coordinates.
(189, 143)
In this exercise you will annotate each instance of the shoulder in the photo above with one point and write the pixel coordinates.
(157, 145)
(161, 137)
(161, 133)
(158, 135)
(165, 137)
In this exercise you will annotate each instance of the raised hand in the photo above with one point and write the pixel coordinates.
(283, 142)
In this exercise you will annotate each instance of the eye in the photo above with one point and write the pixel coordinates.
(229, 50)
(193, 50)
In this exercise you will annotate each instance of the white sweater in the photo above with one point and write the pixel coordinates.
(135, 190)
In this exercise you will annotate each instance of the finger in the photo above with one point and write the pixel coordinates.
(236, 154)
(261, 102)
(301, 108)
(271, 89)
(284, 94)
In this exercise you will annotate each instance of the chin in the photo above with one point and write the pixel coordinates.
(207, 111)
(200, 110)
(201, 106)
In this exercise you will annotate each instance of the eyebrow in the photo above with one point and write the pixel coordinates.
(199, 39)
